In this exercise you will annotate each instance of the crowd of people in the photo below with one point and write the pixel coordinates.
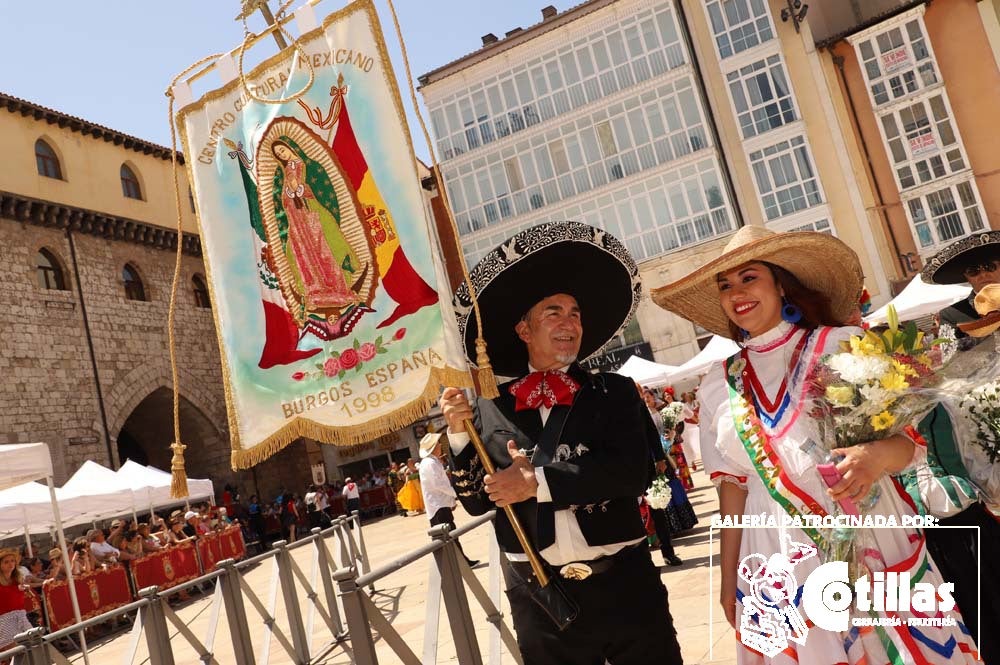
(122, 542)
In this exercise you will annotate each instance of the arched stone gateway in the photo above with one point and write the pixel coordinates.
(148, 431)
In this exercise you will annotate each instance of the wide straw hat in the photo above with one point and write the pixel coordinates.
(428, 443)
(10, 551)
(821, 262)
(948, 265)
(545, 260)
(987, 304)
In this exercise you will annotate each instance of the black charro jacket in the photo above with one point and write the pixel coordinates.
(596, 456)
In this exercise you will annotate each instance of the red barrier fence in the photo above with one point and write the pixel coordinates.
(167, 568)
(377, 498)
(32, 603)
(97, 592)
(221, 545)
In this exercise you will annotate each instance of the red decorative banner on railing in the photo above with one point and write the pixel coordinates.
(32, 603)
(165, 569)
(231, 542)
(210, 551)
(97, 592)
(377, 497)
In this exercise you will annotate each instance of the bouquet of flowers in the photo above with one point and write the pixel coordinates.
(876, 385)
(658, 496)
(982, 406)
(671, 415)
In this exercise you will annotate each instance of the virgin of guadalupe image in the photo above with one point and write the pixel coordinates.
(312, 224)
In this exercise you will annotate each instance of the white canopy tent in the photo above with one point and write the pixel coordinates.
(646, 372)
(23, 463)
(717, 350)
(920, 299)
(99, 492)
(152, 486)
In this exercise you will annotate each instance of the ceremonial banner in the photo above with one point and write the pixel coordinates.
(220, 545)
(331, 305)
(231, 541)
(97, 592)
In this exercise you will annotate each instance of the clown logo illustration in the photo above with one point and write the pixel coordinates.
(770, 617)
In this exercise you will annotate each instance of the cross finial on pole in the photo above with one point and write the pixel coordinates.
(250, 7)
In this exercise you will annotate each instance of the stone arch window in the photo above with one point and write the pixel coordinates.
(49, 270)
(131, 188)
(47, 161)
(200, 289)
(134, 289)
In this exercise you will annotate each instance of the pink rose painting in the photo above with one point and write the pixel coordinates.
(367, 351)
(331, 367)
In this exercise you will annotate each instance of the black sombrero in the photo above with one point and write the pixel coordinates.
(557, 257)
(947, 266)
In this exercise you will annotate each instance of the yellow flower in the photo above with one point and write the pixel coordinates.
(883, 421)
(840, 395)
(894, 381)
(866, 346)
(904, 369)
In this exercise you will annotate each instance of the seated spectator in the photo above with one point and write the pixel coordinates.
(82, 561)
(192, 522)
(31, 572)
(131, 547)
(224, 520)
(56, 571)
(117, 533)
(103, 551)
(177, 535)
(150, 543)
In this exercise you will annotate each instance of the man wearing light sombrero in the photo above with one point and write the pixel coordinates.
(571, 448)
(974, 259)
(783, 298)
(960, 474)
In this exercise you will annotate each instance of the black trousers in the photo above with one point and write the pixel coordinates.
(961, 562)
(662, 525)
(446, 516)
(624, 618)
(352, 505)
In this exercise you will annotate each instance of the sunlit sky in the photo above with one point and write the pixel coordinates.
(109, 62)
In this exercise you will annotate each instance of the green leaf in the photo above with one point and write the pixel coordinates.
(357, 344)
(335, 354)
(909, 336)
(319, 366)
(357, 369)
(380, 350)
(341, 374)
(378, 341)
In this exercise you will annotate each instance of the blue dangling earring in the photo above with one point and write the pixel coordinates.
(790, 312)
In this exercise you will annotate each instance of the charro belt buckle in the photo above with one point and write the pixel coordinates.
(576, 571)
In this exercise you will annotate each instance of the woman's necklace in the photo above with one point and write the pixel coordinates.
(771, 411)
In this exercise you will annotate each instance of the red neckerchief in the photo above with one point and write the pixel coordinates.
(350, 487)
(546, 389)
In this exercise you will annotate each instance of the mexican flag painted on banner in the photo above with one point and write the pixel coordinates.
(331, 305)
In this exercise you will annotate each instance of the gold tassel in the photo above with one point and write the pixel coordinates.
(178, 477)
(487, 380)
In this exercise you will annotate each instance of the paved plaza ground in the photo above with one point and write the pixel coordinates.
(402, 598)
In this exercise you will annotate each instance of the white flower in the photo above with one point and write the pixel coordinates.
(858, 369)
(658, 496)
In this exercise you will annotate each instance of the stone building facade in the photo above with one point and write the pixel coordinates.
(84, 355)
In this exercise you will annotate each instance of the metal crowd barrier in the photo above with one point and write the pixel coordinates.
(256, 630)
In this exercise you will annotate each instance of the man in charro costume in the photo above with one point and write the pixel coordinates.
(966, 556)
(571, 448)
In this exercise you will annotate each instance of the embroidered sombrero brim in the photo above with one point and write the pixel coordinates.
(947, 266)
(820, 261)
(557, 257)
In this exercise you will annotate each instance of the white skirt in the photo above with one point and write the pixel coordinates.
(13, 624)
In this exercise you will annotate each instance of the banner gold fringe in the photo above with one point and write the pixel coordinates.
(346, 436)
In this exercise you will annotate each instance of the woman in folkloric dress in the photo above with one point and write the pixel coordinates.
(779, 295)
(13, 618)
